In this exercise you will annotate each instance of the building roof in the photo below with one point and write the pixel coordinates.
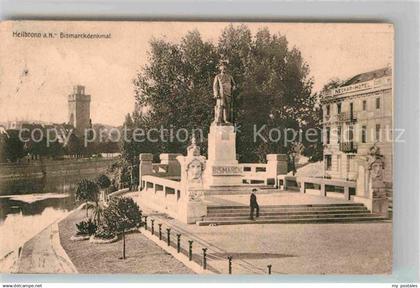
(367, 76)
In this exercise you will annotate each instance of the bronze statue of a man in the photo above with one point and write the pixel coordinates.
(223, 87)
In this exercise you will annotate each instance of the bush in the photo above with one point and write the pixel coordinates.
(122, 214)
(104, 233)
(86, 227)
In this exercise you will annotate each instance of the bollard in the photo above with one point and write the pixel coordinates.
(178, 243)
(190, 250)
(204, 258)
(168, 231)
(230, 264)
(153, 226)
(145, 222)
(160, 231)
(269, 269)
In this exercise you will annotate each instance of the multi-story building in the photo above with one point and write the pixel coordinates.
(357, 115)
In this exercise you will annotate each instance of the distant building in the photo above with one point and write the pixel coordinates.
(79, 110)
(356, 115)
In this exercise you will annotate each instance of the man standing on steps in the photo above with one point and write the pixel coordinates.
(254, 205)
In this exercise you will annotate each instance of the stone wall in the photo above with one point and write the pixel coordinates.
(54, 168)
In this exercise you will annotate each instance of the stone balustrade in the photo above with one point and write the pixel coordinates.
(264, 173)
(162, 193)
(326, 187)
(254, 173)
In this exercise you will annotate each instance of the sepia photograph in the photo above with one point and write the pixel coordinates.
(192, 147)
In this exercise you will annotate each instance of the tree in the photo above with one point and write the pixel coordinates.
(87, 191)
(13, 146)
(103, 181)
(274, 89)
(3, 139)
(122, 214)
(74, 146)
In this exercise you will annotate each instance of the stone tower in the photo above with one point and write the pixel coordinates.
(79, 110)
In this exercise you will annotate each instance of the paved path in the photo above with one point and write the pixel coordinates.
(339, 248)
(44, 254)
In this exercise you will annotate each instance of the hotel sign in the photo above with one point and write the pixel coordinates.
(353, 88)
(226, 170)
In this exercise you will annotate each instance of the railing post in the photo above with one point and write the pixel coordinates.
(168, 231)
(204, 258)
(153, 226)
(269, 269)
(230, 264)
(178, 243)
(160, 231)
(145, 222)
(190, 242)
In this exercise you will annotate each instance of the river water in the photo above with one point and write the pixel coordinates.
(28, 206)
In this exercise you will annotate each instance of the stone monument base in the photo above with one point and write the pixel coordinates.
(192, 212)
(222, 167)
(380, 206)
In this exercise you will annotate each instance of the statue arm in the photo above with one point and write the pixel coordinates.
(233, 83)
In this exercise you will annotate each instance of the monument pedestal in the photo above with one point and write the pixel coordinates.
(222, 167)
(379, 200)
(192, 211)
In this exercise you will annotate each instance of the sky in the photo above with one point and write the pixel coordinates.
(37, 74)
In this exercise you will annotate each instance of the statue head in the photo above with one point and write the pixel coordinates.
(195, 169)
(223, 66)
(376, 169)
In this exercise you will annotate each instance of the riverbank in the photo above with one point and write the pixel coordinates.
(39, 168)
(43, 245)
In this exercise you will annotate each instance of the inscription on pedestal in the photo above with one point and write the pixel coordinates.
(225, 135)
(226, 170)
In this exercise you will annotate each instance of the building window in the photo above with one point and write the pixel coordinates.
(328, 110)
(364, 105)
(350, 134)
(328, 162)
(338, 163)
(339, 134)
(378, 132)
(338, 108)
(328, 136)
(364, 134)
(350, 164)
(378, 103)
(351, 111)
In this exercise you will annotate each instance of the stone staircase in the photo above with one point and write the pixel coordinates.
(239, 190)
(309, 213)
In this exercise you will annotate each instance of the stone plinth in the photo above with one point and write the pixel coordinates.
(174, 169)
(370, 185)
(222, 145)
(380, 203)
(276, 164)
(191, 205)
(145, 166)
(222, 167)
(192, 211)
